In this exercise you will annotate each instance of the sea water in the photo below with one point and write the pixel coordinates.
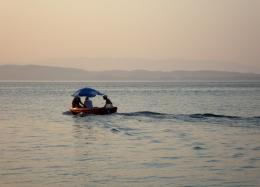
(164, 134)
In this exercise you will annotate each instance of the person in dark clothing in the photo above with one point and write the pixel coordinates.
(76, 103)
(108, 102)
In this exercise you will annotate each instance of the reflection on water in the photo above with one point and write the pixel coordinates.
(40, 145)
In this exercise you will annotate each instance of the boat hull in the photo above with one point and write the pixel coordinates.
(96, 111)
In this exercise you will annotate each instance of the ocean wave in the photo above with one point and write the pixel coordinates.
(143, 113)
(67, 113)
(209, 115)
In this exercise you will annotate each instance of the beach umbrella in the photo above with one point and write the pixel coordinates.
(88, 92)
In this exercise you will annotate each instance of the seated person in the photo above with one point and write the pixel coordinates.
(76, 102)
(88, 103)
(108, 102)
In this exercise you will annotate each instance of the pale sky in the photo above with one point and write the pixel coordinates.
(132, 34)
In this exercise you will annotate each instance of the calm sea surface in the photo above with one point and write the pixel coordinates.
(164, 134)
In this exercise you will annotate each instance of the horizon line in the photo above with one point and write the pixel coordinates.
(132, 70)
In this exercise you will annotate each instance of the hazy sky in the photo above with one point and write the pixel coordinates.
(132, 34)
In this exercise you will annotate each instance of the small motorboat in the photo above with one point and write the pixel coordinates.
(95, 110)
(90, 92)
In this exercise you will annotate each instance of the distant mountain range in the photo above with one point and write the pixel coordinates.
(48, 73)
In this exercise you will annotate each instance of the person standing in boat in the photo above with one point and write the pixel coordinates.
(108, 102)
(88, 103)
(76, 102)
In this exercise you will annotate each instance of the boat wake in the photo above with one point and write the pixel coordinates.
(197, 117)
(205, 115)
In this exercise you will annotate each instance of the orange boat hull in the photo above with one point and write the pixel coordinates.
(96, 111)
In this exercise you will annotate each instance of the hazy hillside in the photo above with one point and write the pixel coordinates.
(46, 73)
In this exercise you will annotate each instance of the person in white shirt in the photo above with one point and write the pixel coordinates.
(88, 103)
